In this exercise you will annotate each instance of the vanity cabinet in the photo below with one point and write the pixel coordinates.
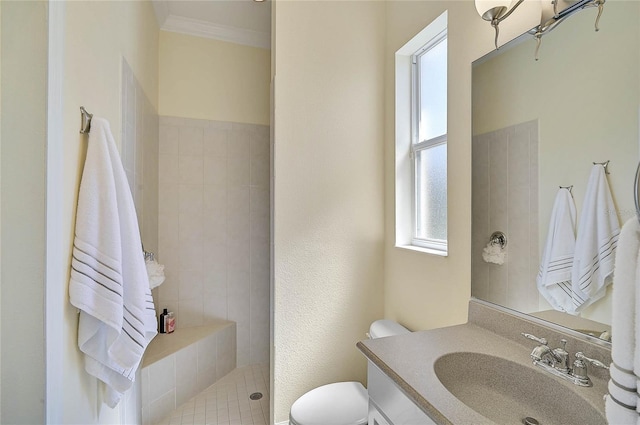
(388, 405)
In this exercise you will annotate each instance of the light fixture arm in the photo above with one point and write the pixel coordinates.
(494, 24)
(497, 15)
(600, 4)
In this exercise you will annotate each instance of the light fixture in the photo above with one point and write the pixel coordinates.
(553, 12)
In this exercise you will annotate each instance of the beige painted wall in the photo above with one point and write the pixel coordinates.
(98, 35)
(213, 80)
(24, 108)
(425, 291)
(328, 197)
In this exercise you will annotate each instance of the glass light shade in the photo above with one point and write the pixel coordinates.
(483, 6)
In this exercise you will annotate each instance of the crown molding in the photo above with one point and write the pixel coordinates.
(205, 29)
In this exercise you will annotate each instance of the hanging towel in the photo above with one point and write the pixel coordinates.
(598, 232)
(620, 405)
(109, 282)
(554, 276)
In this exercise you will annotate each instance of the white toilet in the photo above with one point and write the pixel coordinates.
(342, 403)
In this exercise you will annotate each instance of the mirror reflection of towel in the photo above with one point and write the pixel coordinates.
(554, 276)
(597, 239)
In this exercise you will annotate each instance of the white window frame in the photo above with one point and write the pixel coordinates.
(419, 145)
(406, 138)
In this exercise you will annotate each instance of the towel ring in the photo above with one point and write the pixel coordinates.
(498, 238)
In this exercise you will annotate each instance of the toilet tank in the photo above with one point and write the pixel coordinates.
(385, 327)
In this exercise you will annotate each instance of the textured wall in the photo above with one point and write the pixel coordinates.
(328, 196)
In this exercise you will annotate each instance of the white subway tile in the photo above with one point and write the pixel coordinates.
(238, 171)
(191, 141)
(191, 198)
(191, 284)
(190, 228)
(162, 378)
(190, 312)
(215, 170)
(191, 169)
(186, 366)
(169, 140)
(161, 407)
(207, 354)
(168, 171)
(215, 142)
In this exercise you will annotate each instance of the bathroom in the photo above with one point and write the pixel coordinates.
(334, 264)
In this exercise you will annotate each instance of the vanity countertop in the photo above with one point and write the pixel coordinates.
(409, 361)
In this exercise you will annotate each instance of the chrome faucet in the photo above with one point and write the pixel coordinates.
(556, 361)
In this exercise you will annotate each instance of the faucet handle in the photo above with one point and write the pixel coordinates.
(597, 363)
(542, 341)
(562, 361)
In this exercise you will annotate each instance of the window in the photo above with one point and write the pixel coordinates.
(429, 144)
(421, 140)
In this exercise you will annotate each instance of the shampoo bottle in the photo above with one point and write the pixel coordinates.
(162, 321)
(170, 322)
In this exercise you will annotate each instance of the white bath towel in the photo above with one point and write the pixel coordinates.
(598, 232)
(622, 400)
(554, 276)
(109, 282)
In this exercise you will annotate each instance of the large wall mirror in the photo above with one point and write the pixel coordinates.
(539, 125)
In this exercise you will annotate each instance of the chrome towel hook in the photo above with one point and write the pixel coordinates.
(605, 164)
(86, 117)
(569, 188)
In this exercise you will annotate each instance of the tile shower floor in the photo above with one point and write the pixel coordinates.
(227, 401)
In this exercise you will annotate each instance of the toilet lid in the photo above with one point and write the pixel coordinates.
(342, 403)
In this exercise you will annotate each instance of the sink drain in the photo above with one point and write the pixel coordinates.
(258, 396)
(530, 421)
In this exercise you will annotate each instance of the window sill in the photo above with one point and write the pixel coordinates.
(424, 250)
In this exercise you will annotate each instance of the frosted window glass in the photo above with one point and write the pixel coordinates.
(433, 92)
(431, 193)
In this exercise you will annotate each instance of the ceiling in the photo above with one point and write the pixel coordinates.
(239, 21)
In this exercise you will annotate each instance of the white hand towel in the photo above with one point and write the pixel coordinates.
(109, 281)
(598, 232)
(554, 277)
(622, 399)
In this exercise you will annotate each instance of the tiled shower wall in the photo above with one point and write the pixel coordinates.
(505, 198)
(214, 228)
(139, 152)
(140, 155)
